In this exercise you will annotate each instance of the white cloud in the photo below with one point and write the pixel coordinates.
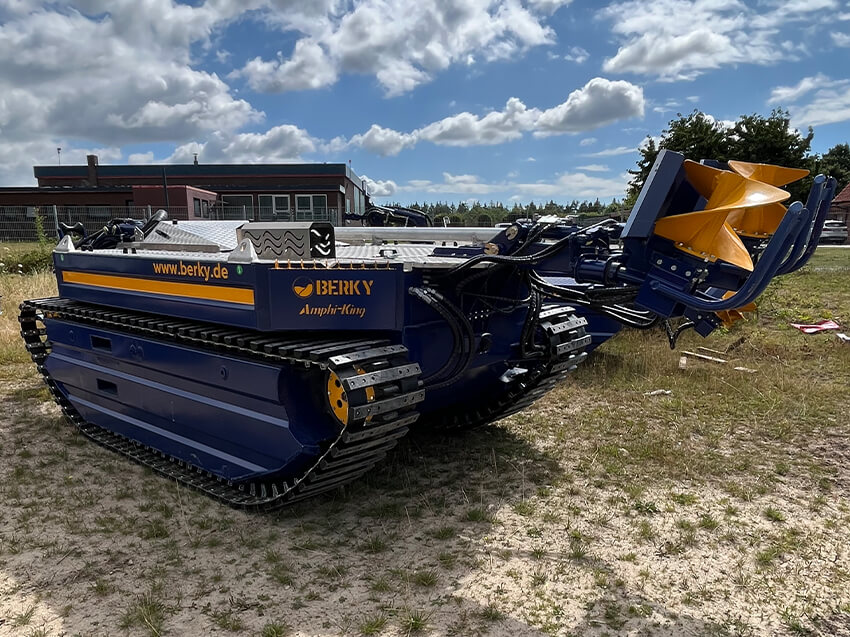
(567, 186)
(308, 68)
(668, 106)
(452, 187)
(612, 152)
(459, 179)
(840, 39)
(680, 39)
(830, 104)
(140, 158)
(497, 127)
(788, 94)
(549, 6)
(383, 141)
(670, 56)
(593, 168)
(282, 143)
(828, 100)
(424, 38)
(17, 158)
(587, 141)
(577, 186)
(380, 188)
(111, 73)
(597, 103)
(577, 55)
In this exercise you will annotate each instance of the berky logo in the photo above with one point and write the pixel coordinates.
(305, 287)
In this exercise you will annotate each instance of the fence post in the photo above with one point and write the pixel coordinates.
(56, 221)
(244, 213)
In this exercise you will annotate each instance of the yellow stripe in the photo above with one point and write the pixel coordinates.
(243, 296)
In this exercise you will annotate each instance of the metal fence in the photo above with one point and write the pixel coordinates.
(39, 223)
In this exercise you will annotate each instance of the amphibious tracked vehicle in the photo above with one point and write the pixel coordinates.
(264, 363)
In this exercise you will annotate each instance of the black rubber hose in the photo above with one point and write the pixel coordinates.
(526, 344)
(531, 259)
(422, 295)
(619, 314)
(468, 332)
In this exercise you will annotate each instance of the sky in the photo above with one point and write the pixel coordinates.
(430, 100)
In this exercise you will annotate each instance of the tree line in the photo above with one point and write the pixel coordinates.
(754, 138)
(477, 213)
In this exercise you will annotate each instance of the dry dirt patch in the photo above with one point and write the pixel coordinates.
(489, 534)
(719, 509)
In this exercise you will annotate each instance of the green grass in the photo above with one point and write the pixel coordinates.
(374, 624)
(275, 629)
(414, 620)
(598, 497)
(717, 422)
(24, 617)
(147, 612)
(773, 514)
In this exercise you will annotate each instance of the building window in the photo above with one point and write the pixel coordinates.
(274, 207)
(311, 208)
(237, 206)
(205, 206)
(197, 206)
(320, 206)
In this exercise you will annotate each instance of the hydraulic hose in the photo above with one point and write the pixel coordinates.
(463, 337)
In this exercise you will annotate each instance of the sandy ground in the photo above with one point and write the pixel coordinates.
(490, 533)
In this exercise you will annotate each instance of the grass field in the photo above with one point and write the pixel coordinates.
(721, 508)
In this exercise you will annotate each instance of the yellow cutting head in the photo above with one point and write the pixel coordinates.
(706, 233)
(768, 173)
(762, 221)
(730, 317)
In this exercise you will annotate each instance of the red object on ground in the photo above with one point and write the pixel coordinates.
(817, 327)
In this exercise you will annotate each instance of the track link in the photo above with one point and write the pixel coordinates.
(376, 424)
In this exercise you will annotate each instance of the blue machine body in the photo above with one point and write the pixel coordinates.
(278, 374)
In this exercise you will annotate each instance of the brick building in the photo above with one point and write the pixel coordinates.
(253, 191)
(840, 208)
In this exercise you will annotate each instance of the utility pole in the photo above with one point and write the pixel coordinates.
(165, 189)
(59, 154)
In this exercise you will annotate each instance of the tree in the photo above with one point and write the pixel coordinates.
(771, 140)
(697, 136)
(836, 163)
(754, 138)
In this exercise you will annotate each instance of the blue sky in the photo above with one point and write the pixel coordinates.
(508, 100)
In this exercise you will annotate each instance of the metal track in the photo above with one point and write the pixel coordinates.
(378, 417)
(566, 347)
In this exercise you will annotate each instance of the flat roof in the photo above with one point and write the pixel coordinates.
(195, 170)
